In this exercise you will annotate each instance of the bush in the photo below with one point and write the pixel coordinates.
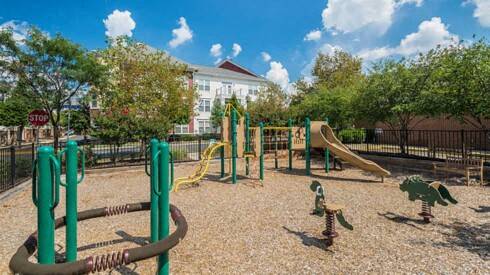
(352, 135)
(23, 167)
(179, 154)
(90, 157)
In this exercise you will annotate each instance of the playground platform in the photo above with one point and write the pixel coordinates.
(246, 228)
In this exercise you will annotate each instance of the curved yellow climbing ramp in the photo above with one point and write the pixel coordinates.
(202, 169)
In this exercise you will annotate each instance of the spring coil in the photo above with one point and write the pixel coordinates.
(103, 244)
(330, 222)
(116, 210)
(108, 261)
(426, 208)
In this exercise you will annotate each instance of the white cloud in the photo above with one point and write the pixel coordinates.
(19, 29)
(278, 74)
(181, 34)
(482, 11)
(119, 23)
(313, 35)
(237, 49)
(218, 61)
(328, 49)
(216, 50)
(266, 56)
(351, 15)
(430, 34)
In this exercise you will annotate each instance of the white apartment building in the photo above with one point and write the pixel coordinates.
(222, 81)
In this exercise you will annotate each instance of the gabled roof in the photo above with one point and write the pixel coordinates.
(230, 65)
(225, 73)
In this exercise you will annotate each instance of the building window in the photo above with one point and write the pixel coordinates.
(253, 89)
(204, 85)
(204, 126)
(181, 129)
(205, 105)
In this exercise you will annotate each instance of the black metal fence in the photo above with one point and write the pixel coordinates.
(421, 144)
(16, 161)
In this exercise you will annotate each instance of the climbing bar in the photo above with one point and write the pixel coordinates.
(277, 128)
(20, 263)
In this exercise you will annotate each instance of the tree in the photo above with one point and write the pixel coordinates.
(396, 92)
(337, 69)
(79, 119)
(217, 113)
(236, 103)
(270, 106)
(462, 83)
(14, 112)
(323, 103)
(145, 86)
(48, 70)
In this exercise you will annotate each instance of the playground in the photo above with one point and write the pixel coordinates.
(247, 228)
(258, 201)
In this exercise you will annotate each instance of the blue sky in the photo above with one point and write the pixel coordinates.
(371, 28)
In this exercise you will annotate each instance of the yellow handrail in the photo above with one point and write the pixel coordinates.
(199, 173)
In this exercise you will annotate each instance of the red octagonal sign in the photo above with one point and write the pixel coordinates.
(38, 117)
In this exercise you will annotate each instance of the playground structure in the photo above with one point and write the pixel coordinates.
(331, 210)
(45, 195)
(240, 140)
(428, 192)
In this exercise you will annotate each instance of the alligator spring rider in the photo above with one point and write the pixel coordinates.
(331, 210)
(428, 192)
(46, 183)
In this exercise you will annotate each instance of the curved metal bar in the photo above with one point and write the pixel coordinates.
(34, 182)
(20, 264)
(57, 179)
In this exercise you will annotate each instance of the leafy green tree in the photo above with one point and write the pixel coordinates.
(79, 119)
(323, 103)
(462, 83)
(270, 106)
(337, 69)
(50, 70)
(146, 86)
(14, 112)
(236, 104)
(217, 113)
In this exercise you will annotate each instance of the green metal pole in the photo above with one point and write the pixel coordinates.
(164, 205)
(45, 209)
(276, 164)
(327, 155)
(290, 144)
(247, 142)
(71, 200)
(261, 159)
(222, 156)
(154, 190)
(307, 146)
(233, 146)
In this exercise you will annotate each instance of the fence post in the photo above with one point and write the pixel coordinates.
(247, 143)
(261, 156)
(463, 145)
(199, 141)
(12, 166)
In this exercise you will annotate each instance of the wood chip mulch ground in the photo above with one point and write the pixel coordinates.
(247, 228)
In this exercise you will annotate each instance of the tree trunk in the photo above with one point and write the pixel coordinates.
(19, 134)
(56, 136)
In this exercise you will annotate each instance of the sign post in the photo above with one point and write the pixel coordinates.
(38, 118)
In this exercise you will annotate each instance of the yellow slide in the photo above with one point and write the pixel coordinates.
(206, 157)
(322, 136)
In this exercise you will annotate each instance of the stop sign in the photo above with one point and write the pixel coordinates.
(38, 117)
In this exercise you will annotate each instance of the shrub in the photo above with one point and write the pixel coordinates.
(179, 154)
(352, 135)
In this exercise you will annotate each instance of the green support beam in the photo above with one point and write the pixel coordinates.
(164, 204)
(247, 143)
(290, 145)
(261, 159)
(307, 146)
(71, 199)
(233, 145)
